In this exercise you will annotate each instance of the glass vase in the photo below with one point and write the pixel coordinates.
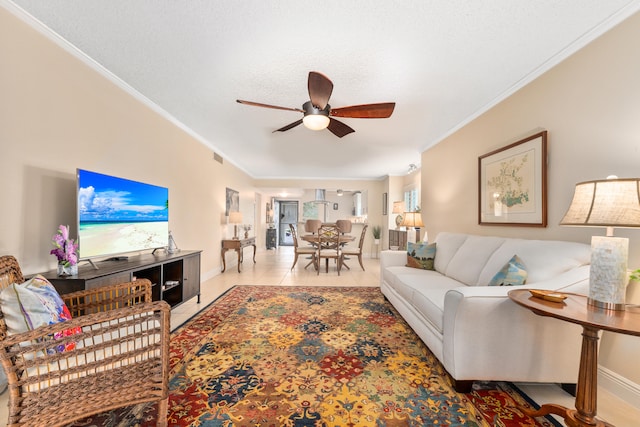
(67, 270)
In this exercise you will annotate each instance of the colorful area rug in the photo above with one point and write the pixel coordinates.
(314, 356)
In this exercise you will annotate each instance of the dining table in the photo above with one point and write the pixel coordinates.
(314, 239)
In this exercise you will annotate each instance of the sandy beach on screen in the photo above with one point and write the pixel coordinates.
(113, 238)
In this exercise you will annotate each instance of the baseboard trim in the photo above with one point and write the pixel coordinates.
(619, 386)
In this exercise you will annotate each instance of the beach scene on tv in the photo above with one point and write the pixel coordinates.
(117, 215)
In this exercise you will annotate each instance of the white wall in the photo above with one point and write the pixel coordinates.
(57, 113)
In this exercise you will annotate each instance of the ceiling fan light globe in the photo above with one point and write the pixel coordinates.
(315, 121)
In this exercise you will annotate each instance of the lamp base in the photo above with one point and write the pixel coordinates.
(608, 272)
(606, 306)
(411, 235)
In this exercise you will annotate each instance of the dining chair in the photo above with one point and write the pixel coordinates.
(344, 225)
(312, 226)
(329, 246)
(349, 251)
(301, 250)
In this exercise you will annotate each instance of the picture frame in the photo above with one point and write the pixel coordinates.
(385, 203)
(232, 198)
(335, 206)
(512, 184)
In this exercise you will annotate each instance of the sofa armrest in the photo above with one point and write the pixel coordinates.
(392, 258)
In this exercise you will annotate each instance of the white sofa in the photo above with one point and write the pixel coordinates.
(475, 330)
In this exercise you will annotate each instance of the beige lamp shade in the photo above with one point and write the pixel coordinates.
(398, 207)
(235, 217)
(605, 203)
(412, 219)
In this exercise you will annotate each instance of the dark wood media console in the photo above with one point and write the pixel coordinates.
(175, 277)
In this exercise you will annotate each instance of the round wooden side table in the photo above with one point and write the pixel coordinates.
(575, 309)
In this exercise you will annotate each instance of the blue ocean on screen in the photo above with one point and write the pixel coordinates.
(118, 215)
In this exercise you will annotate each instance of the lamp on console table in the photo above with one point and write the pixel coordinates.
(235, 218)
(412, 220)
(398, 209)
(606, 203)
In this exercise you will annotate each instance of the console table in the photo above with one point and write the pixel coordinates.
(237, 245)
(575, 309)
(175, 277)
(398, 238)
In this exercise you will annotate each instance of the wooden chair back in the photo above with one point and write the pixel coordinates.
(344, 225)
(329, 246)
(10, 273)
(294, 235)
(362, 236)
(312, 225)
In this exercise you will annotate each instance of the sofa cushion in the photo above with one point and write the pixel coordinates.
(513, 273)
(544, 259)
(426, 293)
(421, 255)
(471, 257)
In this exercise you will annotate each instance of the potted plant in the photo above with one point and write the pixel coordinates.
(376, 230)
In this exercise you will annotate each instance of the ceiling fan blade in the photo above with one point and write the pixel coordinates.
(365, 111)
(339, 129)
(289, 126)
(320, 88)
(257, 104)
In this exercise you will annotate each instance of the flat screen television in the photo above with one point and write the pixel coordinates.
(117, 215)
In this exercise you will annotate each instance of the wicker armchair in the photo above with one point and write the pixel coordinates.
(121, 357)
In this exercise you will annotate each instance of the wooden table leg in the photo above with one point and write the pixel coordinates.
(224, 263)
(239, 250)
(587, 389)
(254, 254)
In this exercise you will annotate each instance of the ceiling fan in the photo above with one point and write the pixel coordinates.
(317, 110)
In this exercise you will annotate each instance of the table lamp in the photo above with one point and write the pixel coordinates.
(412, 220)
(398, 208)
(235, 218)
(606, 203)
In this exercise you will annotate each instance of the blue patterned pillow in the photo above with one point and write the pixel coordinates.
(421, 255)
(512, 274)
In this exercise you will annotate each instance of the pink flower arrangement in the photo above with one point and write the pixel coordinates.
(66, 250)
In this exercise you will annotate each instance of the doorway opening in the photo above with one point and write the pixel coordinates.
(288, 215)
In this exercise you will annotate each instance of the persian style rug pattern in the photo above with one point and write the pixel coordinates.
(315, 356)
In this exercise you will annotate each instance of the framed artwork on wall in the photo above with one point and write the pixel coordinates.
(512, 184)
(335, 206)
(232, 201)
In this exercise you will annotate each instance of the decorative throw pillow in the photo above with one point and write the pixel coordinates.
(421, 255)
(34, 303)
(512, 274)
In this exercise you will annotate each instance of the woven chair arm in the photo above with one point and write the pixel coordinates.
(105, 342)
(108, 297)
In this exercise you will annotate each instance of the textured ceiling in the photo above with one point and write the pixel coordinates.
(442, 62)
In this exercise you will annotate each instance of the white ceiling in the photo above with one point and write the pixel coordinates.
(442, 62)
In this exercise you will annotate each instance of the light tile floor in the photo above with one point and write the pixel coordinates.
(273, 267)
